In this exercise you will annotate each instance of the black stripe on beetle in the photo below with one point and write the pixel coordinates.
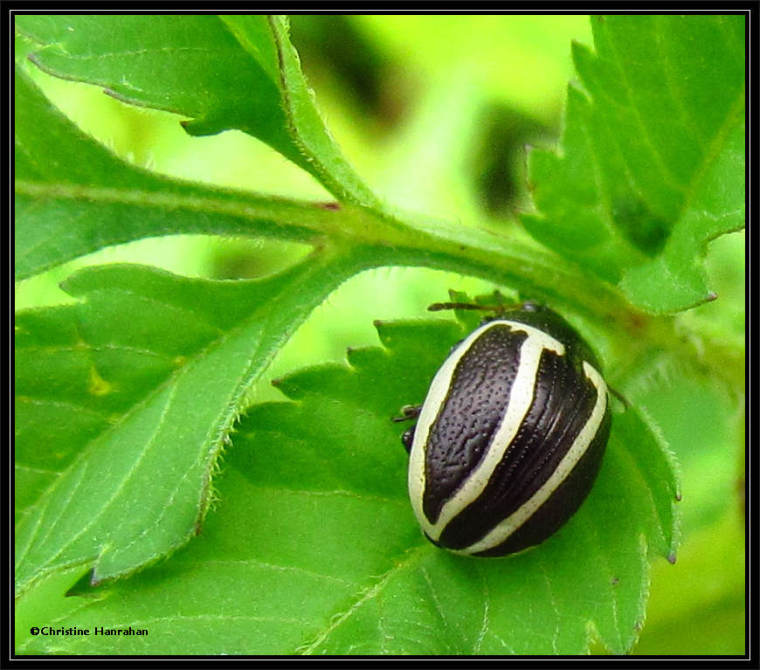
(510, 437)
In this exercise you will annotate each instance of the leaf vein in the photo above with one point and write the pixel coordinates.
(274, 567)
(127, 477)
(362, 597)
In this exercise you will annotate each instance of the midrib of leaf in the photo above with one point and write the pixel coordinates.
(244, 205)
(412, 557)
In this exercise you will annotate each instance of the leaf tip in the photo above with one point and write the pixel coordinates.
(201, 126)
(84, 586)
(671, 557)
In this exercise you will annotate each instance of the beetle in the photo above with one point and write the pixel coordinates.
(510, 437)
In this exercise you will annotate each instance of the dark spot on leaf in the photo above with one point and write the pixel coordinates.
(329, 205)
(672, 558)
(639, 225)
(276, 382)
(615, 581)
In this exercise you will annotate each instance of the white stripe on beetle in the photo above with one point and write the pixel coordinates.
(581, 443)
(520, 400)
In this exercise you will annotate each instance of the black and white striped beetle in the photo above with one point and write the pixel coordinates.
(510, 437)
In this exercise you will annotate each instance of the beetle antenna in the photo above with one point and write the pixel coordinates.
(620, 397)
(438, 306)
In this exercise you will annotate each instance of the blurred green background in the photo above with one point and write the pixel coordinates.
(435, 112)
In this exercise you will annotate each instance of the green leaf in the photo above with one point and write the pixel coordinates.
(222, 72)
(717, 208)
(319, 153)
(192, 66)
(125, 400)
(66, 208)
(653, 164)
(314, 548)
(309, 544)
(74, 197)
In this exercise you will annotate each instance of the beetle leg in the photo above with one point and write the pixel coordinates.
(407, 438)
(408, 412)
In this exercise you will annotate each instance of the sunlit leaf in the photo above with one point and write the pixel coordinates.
(315, 548)
(222, 72)
(124, 402)
(652, 163)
